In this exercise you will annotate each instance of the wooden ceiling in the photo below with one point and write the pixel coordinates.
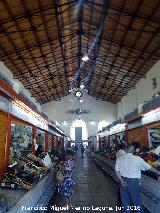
(43, 41)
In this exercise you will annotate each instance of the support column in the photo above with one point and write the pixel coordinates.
(109, 140)
(145, 133)
(8, 142)
(46, 141)
(34, 139)
(99, 141)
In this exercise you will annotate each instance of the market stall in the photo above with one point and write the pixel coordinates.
(25, 179)
(19, 200)
(29, 178)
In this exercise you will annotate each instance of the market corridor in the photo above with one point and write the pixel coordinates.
(92, 188)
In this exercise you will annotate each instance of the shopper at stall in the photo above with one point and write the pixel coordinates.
(66, 187)
(128, 170)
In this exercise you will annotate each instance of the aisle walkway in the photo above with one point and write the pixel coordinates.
(92, 188)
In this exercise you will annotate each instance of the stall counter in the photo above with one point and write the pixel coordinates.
(150, 188)
(38, 196)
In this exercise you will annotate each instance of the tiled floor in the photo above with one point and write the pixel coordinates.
(92, 189)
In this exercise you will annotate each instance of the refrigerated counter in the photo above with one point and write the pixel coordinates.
(38, 196)
(150, 188)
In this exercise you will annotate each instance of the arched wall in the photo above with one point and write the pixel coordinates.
(79, 123)
(99, 110)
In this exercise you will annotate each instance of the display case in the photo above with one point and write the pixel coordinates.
(150, 195)
(23, 180)
(19, 200)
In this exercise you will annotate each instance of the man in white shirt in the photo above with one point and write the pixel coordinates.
(128, 170)
(47, 161)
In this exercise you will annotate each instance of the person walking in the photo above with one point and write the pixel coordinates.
(76, 149)
(128, 170)
(82, 150)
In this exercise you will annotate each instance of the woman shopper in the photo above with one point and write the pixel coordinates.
(66, 187)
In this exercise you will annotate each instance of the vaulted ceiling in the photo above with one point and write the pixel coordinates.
(43, 41)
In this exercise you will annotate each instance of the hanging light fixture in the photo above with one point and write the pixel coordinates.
(78, 94)
(85, 58)
(82, 86)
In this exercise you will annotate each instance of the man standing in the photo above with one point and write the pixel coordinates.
(82, 150)
(128, 170)
(119, 154)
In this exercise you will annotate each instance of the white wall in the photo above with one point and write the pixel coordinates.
(17, 85)
(100, 110)
(143, 92)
